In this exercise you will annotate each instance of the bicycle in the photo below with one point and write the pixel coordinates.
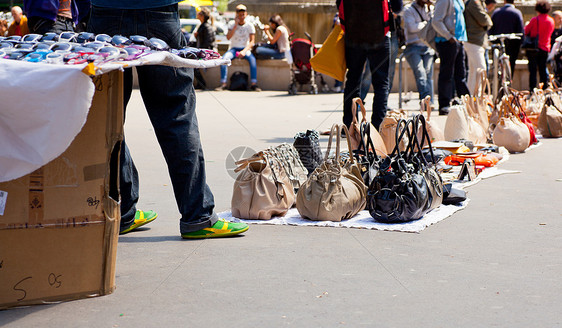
(501, 68)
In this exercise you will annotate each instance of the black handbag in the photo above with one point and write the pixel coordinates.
(308, 146)
(238, 81)
(531, 44)
(399, 192)
(366, 155)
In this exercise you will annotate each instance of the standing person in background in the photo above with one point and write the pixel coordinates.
(541, 27)
(169, 98)
(418, 54)
(278, 47)
(490, 6)
(206, 39)
(478, 22)
(557, 16)
(366, 27)
(19, 26)
(55, 16)
(242, 36)
(449, 24)
(508, 19)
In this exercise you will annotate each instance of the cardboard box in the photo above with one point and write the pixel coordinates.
(59, 225)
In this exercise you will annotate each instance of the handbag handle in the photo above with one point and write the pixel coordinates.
(338, 128)
(357, 102)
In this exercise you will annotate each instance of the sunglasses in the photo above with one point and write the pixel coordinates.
(55, 57)
(37, 56)
(31, 38)
(61, 46)
(138, 39)
(24, 46)
(157, 44)
(84, 37)
(96, 45)
(43, 45)
(50, 37)
(67, 37)
(103, 38)
(120, 41)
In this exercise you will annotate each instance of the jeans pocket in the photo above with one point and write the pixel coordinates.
(165, 25)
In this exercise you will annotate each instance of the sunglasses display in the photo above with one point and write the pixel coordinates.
(69, 48)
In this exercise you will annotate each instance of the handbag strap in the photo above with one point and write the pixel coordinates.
(337, 129)
(357, 102)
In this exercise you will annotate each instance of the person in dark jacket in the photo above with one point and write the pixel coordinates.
(205, 36)
(367, 36)
(508, 19)
(55, 16)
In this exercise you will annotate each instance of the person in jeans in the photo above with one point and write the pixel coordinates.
(242, 36)
(478, 22)
(508, 19)
(55, 16)
(417, 53)
(278, 47)
(448, 22)
(169, 98)
(367, 37)
(540, 26)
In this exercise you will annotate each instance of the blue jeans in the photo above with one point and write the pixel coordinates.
(269, 52)
(169, 98)
(249, 57)
(452, 72)
(355, 57)
(420, 59)
(394, 48)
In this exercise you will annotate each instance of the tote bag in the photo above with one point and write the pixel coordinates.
(330, 59)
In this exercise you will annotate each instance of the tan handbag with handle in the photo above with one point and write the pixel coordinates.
(335, 191)
(550, 118)
(510, 132)
(262, 188)
(355, 129)
(434, 131)
(388, 127)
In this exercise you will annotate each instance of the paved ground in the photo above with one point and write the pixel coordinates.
(496, 263)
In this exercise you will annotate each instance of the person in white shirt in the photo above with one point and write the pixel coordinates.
(278, 47)
(242, 36)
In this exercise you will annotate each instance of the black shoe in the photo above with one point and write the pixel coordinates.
(444, 111)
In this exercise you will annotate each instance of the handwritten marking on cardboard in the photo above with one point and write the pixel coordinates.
(3, 198)
(54, 280)
(93, 201)
(18, 289)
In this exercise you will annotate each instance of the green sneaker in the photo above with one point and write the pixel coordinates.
(141, 218)
(221, 228)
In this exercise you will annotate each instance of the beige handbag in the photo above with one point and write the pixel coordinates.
(433, 129)
(388, 127)
(262, 188)
(335, 191)
(355, 130)
(288, 156)
(461, 125)
(481, 103)
(550, 119)
(510, 132)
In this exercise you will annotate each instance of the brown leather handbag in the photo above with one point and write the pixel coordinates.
(262, 188)
(388, 129)
(510, 132)
(355, 130)
(550, 118)
(335, 191)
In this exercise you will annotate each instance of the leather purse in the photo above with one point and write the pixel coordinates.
(550, 118)
(434, 131)
(291, 163)
(307, 145)
(334, 191)
(366, 156)
(388, 128)
(262, 188)
(399, 193)
(355, 134)
(510, 132)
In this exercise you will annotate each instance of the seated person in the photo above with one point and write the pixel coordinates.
(242, 35)
(278, 47)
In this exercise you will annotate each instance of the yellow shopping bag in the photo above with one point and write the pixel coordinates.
(330, 59)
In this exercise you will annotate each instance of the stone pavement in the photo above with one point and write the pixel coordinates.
(496, 263)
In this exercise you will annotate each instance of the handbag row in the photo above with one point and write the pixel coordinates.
(401, 186)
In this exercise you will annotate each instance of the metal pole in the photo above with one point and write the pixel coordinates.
(400, 80)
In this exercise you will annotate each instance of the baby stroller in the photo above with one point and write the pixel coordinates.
(301, 70)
